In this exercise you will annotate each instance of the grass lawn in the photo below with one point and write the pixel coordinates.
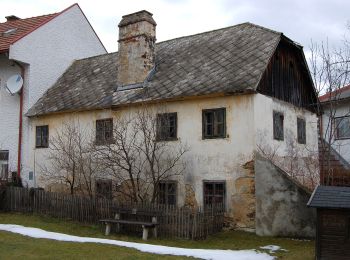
(13, 246)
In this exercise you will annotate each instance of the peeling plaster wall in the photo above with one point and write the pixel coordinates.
(209, 159)
(280, 203)
(264, 107)
(230, 159)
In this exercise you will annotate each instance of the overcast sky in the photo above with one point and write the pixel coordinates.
(300, 20)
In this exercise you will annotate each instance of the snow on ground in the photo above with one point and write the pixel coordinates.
(154, 249)
(273, 248)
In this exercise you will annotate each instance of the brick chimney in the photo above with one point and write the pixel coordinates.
(136, 57)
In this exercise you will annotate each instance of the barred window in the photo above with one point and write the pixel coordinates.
(214, 123)
(278, 133)
(103, 189)
(342, 127)
(104, 131)
(166, 126)
(42, 136)
(167, 193)
(301, 129)
(214, 193)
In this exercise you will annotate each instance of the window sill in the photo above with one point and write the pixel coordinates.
(342, 138)
(167, 140)
(215, 137)
(41, 147)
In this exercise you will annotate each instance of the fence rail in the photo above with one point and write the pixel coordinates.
(173, 221)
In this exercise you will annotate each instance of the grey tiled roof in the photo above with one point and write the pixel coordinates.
(330, 197)
(228, 60)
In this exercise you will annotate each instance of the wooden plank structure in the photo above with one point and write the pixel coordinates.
(333, 222)
(174, 222)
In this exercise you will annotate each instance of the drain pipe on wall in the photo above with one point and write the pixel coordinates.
(19, 156)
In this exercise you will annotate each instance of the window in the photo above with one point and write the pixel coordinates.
(42, 136)
(4, 165)
(278, 119)
(167, 126)
(342, 127)
(214, 193)
(167, 193)
(103, 189)
(214, 123)
(104, 131)
(301, 128)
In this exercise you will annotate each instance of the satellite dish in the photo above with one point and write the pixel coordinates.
(14, 84)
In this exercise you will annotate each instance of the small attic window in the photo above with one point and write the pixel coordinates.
(9, 32)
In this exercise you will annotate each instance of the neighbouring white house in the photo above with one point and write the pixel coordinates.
(336, 120)
(335, 131)
(39, 49)
(241, 98)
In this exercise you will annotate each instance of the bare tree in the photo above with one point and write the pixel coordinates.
(71, 160)
(330, 68)
(136, 159)
(299, 162)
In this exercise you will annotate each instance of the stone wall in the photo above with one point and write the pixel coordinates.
(281, 203)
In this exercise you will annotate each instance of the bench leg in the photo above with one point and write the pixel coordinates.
(155, 232)
(145, 233)
(108, 229)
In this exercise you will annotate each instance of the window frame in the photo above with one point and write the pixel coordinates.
(160, 128)
(204, 123)
(214, 182)
(104, 140)
(301, 139)
(101, 194)
(275, 133)
(41, 144)
(336, 135)
(166, 194)
(4, 165)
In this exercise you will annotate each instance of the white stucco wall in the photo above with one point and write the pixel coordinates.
(264, 107)
(48, 52)
(299, 160)
(249, 124)
(341, 146)
(9, 112)
(209, 159)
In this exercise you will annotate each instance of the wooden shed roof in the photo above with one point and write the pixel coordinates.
(330, 197)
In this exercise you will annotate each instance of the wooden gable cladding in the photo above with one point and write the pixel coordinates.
(287, 78)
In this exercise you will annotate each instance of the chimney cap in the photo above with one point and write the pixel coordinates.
(12, 18)
(137, 17)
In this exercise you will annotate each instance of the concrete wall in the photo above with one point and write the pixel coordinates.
(46, 53)
(342, 108)
(9, 112)
(281, 203)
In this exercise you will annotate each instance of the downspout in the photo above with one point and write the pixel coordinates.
(19, 155)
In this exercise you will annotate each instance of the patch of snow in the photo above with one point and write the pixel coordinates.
(211, 254)
(273, 248)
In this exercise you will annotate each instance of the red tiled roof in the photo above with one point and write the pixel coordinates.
(334, 93)
(23, 27)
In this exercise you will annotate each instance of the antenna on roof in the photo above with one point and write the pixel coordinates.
(14, 84)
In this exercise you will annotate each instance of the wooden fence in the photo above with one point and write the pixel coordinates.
(173, 221)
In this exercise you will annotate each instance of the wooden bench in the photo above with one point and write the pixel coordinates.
(146, 226)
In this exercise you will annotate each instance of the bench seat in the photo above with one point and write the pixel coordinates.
(145, 225)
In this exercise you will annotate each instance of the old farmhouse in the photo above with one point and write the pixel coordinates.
(39, 49)
(240, 99)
